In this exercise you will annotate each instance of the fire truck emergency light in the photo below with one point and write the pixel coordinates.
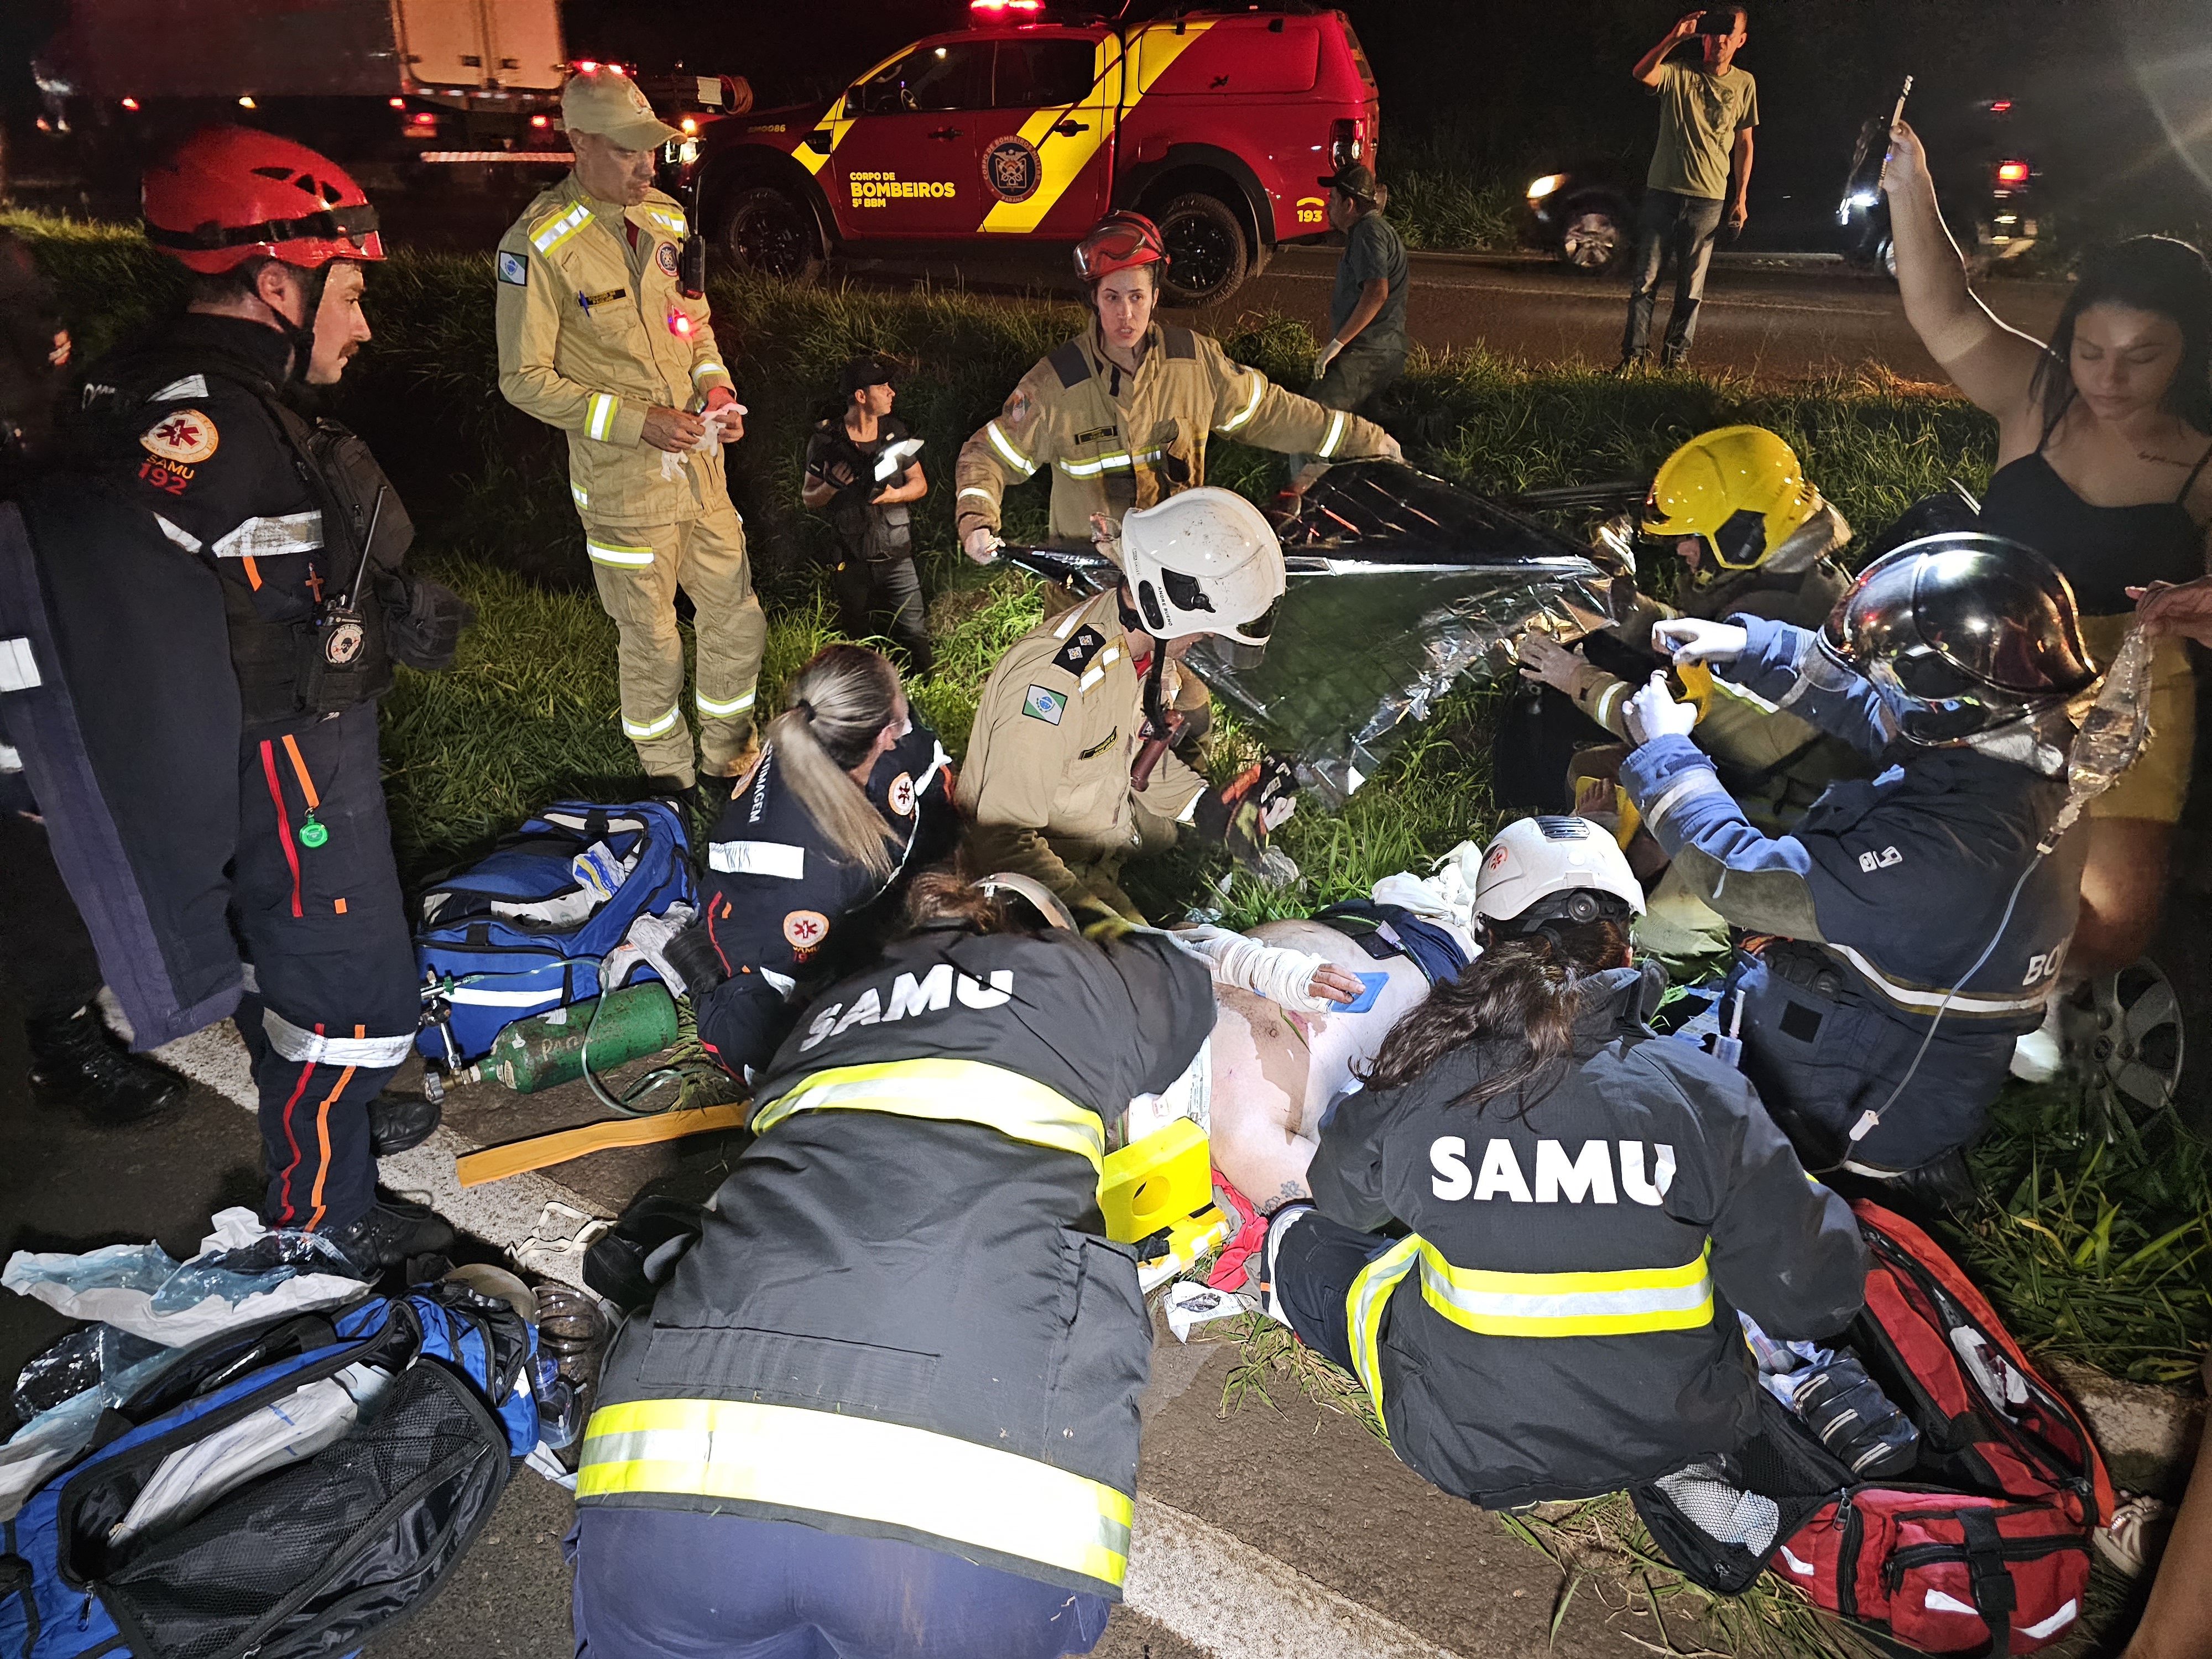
(1001, 8)
(2012, 173)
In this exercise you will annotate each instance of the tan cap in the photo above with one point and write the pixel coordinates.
(608, 102)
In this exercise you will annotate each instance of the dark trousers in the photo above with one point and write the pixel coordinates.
(686, 1584)
(331, 1005)
(1352, 379)
(886, 589)
(1681, 229)
(46, 954)
(1314, 1272)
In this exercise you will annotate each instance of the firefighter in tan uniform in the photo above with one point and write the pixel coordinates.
(1059, 728)
(1121, 413)
(596, 337)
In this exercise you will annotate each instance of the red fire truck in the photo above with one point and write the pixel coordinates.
(1032, 124)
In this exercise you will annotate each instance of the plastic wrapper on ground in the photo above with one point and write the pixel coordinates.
(1402, 586)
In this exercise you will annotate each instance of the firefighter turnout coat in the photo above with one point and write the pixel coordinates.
(593, 334)
(1047, 777)
(1115, 441)
(903, 1319)
(1559, 1320)
(781, 902)
(1888, 891)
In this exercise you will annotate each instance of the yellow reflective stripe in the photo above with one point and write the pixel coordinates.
(1621, 1304)
(790, 1457)
(600, 415)
(652, 728)
(1335, 431)
(951, 1090)
(1259, 386)
(616, 553)
(551, 233)
(583, 496)
(707, 368)
(1011, 456)
(1092, 468)
(735, 706)
(978, 491)
(1363, 1310)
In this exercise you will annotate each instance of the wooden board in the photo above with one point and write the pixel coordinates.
(497, 1162)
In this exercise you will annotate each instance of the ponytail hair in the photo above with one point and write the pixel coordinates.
(1525, 989)
(836, 706)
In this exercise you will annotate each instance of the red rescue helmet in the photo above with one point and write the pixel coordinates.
(231, 194)
(1119, 241)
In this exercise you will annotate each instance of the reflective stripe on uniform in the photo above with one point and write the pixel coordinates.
(1919, 999)
(1335, 431)
(758, 858)
(1259, 386)
(1602, 712)
(293, 1042)
(1619, 1303)
(617, 553)
(177, 533)
(791, 1457)
(709, 706)
(262, 538)
(1119, 460)
(1011, 456)
(557, 230)
(581, 495)
(709, 367)
(979, 492)
(957, 1090)
(1697, 780)
(600, 415)
(637, 731)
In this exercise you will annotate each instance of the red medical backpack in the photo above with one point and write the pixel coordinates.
(1986, 1550)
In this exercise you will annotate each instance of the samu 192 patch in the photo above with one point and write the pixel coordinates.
(1041, 703)
(515, 268)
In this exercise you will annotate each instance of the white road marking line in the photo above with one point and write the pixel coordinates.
(501, 1212)
(1209, 1587)
(1219, 1593)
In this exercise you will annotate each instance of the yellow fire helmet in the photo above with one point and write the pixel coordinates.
(1739, 488)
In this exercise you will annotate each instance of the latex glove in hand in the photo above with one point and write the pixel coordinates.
(981, 544)
(1692, 639)
(665, 941)
(1653, 712)
(1328, 355)
(1548, 662)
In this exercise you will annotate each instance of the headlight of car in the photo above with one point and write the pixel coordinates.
(1540, 188)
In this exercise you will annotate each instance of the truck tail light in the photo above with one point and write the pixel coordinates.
(541, 120)
(1348, 141)
(2012, 174)
(424, 118)
(131, 104)
(991, 9)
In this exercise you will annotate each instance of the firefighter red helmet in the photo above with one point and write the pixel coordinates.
(1119, 241)
(231, 194)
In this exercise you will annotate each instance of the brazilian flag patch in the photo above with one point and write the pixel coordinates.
(1043, 703)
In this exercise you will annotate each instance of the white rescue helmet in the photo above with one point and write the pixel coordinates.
(1206, 561)
(1553, 869)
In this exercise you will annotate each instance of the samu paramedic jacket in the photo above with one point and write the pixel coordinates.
(1559, 1321)
(1894, 887)
(903, 1320)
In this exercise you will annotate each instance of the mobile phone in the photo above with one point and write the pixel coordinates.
(1898, 114)
(1719, 20)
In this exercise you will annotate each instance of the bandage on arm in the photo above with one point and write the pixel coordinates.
(1273, 971)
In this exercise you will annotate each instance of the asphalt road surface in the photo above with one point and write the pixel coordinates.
(1260, 1533)
(1772, 319)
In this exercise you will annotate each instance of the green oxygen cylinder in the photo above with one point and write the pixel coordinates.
(548, 1049)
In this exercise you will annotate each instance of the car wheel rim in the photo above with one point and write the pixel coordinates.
(771, 240)
(1199, 255)
(2129, 1041)
(1590, 241)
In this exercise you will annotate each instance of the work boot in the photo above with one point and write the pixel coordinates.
(75, 1062)
(398, 1123)
(387, 1234)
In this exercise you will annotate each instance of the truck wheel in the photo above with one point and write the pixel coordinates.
(764, 230)
(1208, 258)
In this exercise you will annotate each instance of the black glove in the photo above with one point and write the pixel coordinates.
(693, 955)
(422, 619)
(1856, 1421)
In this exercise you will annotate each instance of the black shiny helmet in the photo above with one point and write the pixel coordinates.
(1960, 634)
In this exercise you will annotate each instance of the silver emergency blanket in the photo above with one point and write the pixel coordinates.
(1402, 585)
(2111, 732)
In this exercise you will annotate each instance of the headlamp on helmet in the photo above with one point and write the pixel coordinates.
(1206, 561)
(1554, 869)
(1961, 634)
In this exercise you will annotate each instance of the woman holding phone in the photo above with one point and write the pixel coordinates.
(2104, 437)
